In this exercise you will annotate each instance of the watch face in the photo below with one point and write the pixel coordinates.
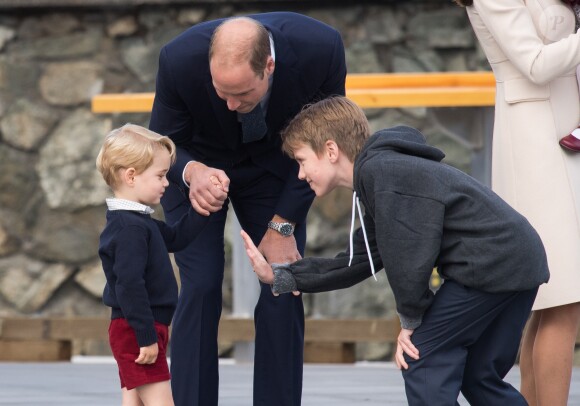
(286, 229)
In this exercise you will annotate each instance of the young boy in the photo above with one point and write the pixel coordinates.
(141, 288)
(420, 214)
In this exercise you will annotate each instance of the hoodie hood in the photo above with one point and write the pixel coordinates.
(402, 139)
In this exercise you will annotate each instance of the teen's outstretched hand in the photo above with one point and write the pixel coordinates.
(261, 267)
(405, 345)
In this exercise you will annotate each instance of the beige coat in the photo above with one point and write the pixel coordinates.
(534, 52)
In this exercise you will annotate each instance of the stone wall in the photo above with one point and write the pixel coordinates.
(53, 60)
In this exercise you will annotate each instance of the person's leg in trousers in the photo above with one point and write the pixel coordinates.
(455, 321)
(194, 351)
(279, 321)
(435, 378)
(494, 354)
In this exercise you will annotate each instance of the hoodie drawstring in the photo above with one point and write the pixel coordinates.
(355, 206)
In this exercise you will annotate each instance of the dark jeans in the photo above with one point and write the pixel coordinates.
(468, 342)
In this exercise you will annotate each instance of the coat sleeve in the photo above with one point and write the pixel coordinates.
(170, 117)
(510, 24)
(188, 228)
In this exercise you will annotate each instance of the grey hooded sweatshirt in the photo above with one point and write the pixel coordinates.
(422, 214)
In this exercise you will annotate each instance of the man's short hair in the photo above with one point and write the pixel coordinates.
(130, 146)
(335, 118)
(254, 49)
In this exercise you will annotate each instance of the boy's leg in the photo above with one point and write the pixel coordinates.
(130, 397)
(435, 378)
(156, 394)
(455, 321)
(494, 354)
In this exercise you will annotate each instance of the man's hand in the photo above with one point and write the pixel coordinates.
(262, 268)
(148, 355)
(208, 187)
(277, 248)
(405, 345)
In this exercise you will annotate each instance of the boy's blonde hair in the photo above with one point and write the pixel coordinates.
(336, 118)
(130, 146)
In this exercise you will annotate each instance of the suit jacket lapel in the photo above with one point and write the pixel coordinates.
(228, 120)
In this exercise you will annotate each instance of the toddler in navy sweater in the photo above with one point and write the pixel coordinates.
(141, 287)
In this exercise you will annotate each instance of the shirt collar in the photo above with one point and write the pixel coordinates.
(122, 204)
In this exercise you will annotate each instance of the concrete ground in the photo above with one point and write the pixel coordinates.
(93, 381)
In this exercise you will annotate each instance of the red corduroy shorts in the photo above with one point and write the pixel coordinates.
(126, 350)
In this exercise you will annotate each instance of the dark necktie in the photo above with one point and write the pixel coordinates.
(253, 125)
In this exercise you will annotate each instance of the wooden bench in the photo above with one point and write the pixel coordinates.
(50, 339)
(380, 90)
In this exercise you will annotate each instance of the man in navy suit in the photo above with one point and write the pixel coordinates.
(223, 95)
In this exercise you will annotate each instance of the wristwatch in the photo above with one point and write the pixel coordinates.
(286, 229)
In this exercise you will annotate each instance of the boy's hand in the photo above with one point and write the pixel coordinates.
(262, 269)
(204, 194)
(405, 345)
(148, 355)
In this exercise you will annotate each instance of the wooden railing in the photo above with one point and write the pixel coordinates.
(51, 339)
(388, 90)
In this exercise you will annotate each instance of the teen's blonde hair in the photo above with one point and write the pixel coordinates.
(130, 146)
(336, 118)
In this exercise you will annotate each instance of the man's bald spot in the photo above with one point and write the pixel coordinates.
(233, 41)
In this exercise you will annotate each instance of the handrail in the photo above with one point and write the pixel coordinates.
(379, 90)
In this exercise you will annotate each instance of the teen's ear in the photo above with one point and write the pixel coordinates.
(332, 151)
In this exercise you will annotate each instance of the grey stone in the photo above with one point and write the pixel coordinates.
(451, 38)
(75, 44)
(70, 238)
(67, 162)
(140, 58)
(6, 34)
(456, 63)
(153, 20)
(29, 284)
(191, 16)
(48, 24)
(123, 27)
(9, 244)
(92, 278)
(18, 180)
(26, 124)
(18, 78)
(141, 55)
(71, 300)
(422, 25)
(384, 26)
(70, 83)
(361, 58)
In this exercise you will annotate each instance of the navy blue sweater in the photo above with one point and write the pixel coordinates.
(141, 286)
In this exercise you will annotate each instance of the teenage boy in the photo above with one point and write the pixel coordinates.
(141, 288)
(420, 214)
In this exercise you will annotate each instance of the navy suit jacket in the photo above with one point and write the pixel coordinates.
(309, 66)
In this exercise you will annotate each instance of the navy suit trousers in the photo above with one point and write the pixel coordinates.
(279, 321)
(468, 341)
